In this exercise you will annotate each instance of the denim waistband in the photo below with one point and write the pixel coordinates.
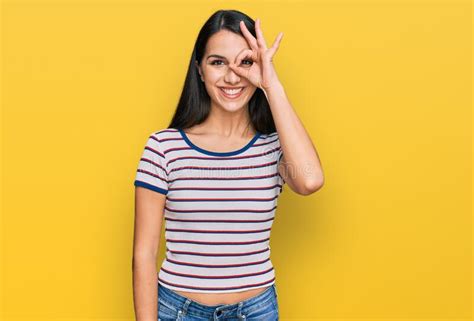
(193, 307)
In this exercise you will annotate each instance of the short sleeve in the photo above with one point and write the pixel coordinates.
(281, 181)
(280, 154)
(152, 170)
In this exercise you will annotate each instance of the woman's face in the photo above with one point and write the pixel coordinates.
(222, 49)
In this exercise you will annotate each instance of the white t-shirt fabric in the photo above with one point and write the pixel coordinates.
(219, 210)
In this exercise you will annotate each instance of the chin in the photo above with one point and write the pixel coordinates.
(231, 107)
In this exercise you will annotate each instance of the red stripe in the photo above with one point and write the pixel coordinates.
(222, 199)
(225, 188)
(219, 221)
(224, 178)
(217, 277)
(216, 265)
(151, 174)
(216, 243)
(224, 168)
(218, 254)
(222, 210)
(217, 231)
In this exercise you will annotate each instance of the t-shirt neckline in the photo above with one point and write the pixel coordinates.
(208, 152)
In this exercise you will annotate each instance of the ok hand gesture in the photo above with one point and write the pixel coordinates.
(261, 73)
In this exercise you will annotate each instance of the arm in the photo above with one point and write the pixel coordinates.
(300, 166)
(147, 232)
(151, 188)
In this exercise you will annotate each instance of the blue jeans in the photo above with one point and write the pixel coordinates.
(173, 306)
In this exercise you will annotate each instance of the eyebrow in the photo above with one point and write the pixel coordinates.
(216, 56)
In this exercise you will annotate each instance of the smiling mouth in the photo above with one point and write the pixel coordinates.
(231, 93)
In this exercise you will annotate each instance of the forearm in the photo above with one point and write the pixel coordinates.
(301, 158)
(145, 289)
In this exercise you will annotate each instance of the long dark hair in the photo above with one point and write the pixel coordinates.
(195, 104)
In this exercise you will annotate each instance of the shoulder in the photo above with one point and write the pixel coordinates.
(271, 138)
(164, 136)
(164, 139)
(164, 133)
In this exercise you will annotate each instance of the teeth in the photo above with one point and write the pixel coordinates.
(231, 91)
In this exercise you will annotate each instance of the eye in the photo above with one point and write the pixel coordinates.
(214, 62)
(250, 62)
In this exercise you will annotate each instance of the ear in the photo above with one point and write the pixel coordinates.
(199, 68)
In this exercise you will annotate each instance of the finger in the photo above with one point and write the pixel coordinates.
(239, 70)
(248, 36)
(260, 38)
(246, 53)
(276, 44)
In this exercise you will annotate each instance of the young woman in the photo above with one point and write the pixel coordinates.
(215, 175)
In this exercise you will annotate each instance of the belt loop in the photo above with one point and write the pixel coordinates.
(185, 306)
(239, 311)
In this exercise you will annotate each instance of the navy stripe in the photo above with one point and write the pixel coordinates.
(151, 187)
(207, 152)
(266, 153)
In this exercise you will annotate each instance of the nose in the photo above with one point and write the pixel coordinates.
(231, 77)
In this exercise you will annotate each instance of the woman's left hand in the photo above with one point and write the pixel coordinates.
(262, 72)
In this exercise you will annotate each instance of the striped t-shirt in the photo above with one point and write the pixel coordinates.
(218, 213)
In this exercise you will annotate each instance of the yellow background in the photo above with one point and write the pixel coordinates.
(383, 88)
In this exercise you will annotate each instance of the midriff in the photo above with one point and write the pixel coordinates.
(221, 298)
